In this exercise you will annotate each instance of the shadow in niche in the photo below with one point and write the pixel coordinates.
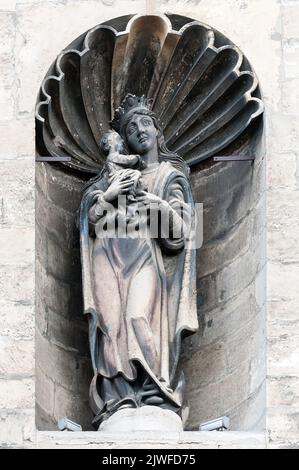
(224, 362)
(63, 367)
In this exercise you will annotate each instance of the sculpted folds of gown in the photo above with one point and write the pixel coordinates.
(139, 290)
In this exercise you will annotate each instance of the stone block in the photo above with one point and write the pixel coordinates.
(41, 314)
(41, 179)
(57, 364)
(291, 57)
(152, 440)
(17, 140)
(17, 320)
(214, 255)
(282, 425)
(63, 190)
(17, 192)
(44, 391)
(290, 95)
(224, 321)
(16, 358)
(17, 285)
(43, 421)
(64, 366)
(286, 126)
(204, 366)
(283, 231)
(11, 428)
(8, 5)
(72, 406)
(283, 295)
(282, 169)
(16, 246)
(237, 276)
(283, 391)
(7, 104)
(290, 16)
(217, 398)
(16, 393)
(251, 414)
(69, 333)
(54, 293)
(7, 33)
(55, 222)
(244, 343)
(283, 353)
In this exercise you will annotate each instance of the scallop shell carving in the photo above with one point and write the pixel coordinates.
(203, 89)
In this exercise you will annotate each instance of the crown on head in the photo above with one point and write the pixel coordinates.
(129, 106)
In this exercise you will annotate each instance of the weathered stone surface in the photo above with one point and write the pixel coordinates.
(217, 398)
(283, 391)
(286, 126)
(44, 391)
(57, 363)
(290, 96)
(245, 342)
(290, 12)
(283, 301)
(251, 414)
(282, 169)
(283, 423)
(16, 246)
(17, 320)
(16, 393)
(16, 358)
(283, 232)
(222, 321)
(11, 428)
(17, 192)
(16, 285)
(7, 5)
(283, 353)
(39, 43)
(152, 440)
(291, 57)
(7, 32)
(68, 333)
(146, 418)
(55, 293)
(17, 140)
(265, 16)
(204, 366)
(43, 420)
(71, 405)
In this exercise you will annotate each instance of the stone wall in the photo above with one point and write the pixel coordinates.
(33, 34)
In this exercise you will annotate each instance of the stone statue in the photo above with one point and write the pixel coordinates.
(139, 292)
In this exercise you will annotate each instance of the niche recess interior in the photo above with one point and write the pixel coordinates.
(208, 100)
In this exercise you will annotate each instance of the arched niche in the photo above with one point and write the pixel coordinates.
(209, 103)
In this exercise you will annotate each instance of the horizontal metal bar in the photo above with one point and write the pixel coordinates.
(232, 158)
(52, 159)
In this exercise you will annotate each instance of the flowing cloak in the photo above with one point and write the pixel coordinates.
(173, 312)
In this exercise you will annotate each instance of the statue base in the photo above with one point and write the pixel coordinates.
(146, 418)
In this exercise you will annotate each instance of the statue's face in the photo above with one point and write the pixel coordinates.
(141, 133)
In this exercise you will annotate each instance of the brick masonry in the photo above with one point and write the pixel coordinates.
(34, 32)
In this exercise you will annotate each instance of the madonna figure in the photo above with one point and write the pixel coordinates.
(139, 291)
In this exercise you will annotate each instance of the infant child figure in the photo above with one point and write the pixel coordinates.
(112, 145)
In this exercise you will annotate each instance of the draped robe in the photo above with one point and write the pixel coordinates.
(140, 294)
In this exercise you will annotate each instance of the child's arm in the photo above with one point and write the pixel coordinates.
(129, 161)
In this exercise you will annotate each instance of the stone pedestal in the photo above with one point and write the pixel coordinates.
(146, 418)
